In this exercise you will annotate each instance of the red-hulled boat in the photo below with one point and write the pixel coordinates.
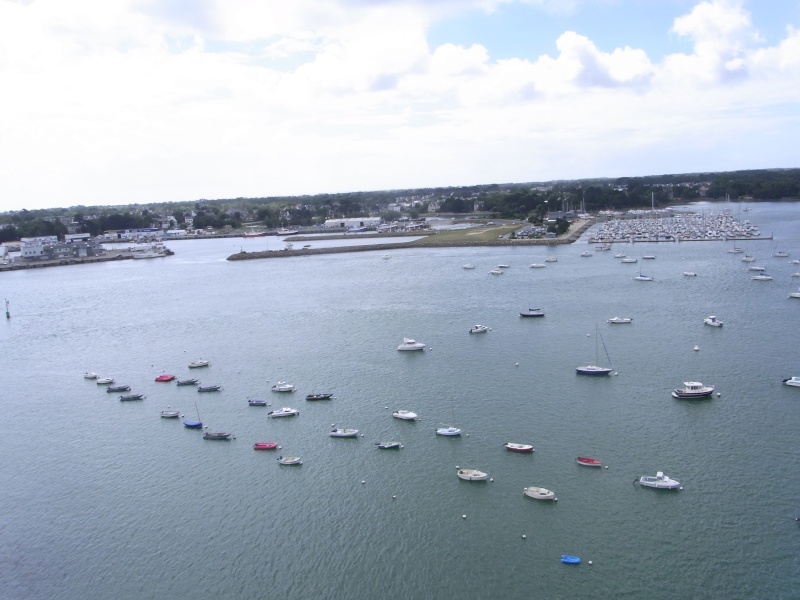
(588, 462)
(265, 446)
(165, 377)
(518, 447)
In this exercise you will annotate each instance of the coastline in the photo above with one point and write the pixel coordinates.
(429, 241)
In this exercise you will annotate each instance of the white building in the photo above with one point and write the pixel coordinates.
(354, 223)
(34, 247)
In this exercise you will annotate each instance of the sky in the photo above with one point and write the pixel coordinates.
(113, 102)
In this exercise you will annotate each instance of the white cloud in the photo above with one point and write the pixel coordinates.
(147, 101)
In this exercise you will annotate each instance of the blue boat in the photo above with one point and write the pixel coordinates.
(193, 424)
(570, 560)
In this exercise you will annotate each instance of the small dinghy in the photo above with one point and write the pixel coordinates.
(570, 560)
(187, 382)
(325, 396)
(170, 414)
(118, 388)
(257, 403)
(290, 460)
(209, 388)
(451, 431)
(104, 381)
(196, 364)
(588, 462)
(283, 412)
(165, 378)
(127, 397)
(405, 415)
(90, 375)
(337, 432)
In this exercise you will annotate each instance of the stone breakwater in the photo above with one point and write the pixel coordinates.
(568, 238)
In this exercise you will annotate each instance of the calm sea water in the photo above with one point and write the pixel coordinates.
(103, 499)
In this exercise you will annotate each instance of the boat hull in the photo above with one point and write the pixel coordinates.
(588, 462)
(518, 447)
(472, 475)
(265, 446)
(539, 493)
(593, 371)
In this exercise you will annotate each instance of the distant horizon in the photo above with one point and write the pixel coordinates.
(125, 103)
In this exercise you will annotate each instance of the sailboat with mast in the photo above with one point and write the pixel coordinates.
(191, 424)
(595, 369)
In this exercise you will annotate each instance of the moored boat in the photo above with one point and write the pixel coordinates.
(472, 475)
(619, 320)
(660, 481)
(196, 364)
(265, 446)
(170, 414)
(693, 389)
(410, 344)
(289, 460)
(283, 412)
(104, 381)
(448, 431)
(689, 274)
(191, 424)
(793, 381)
(283, 387)
(128, 397)
(90, 375)
(795, 294)
(479, 329)
(539, 493)
(118, 388)
(187, 382)
(217, 435)
(209, 388)
(257, 403)
(165, 378)
(570, 560)
(339, 432)
(406, 415)
(532, 312)
(588, 462)
(713, 321)
(389, 445)
(518, 447)
(325, 396)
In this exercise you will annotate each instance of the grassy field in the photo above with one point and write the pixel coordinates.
(475, 234)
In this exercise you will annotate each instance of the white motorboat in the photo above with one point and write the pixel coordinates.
(532, 312)
(406, 415)
(339, 432)
(628, 259)
(660, 481)
(496, 272)
(780, 254)
(649, 257)
(689, 274)
(289, 460)
(748, 258)
(479, 329)
(196, 364)
(283, 412)
(448, 431)
(518, 447)
(794, 381)
(795, 294)
(759, 269)
(761, 277)
(104, 381)
(170, 414)
(537, 266)
(411, 344)
(472, 475)
(619, 255)
(388, 445)
(283, 387)
(620, 320)
(713, 321)
(551, 259)
(90, 375)
(504, 266)
(539, 493)
(586, 254)
(641, 277)
(468, 266)
(693, 389)
(795, 275)
(603, 247)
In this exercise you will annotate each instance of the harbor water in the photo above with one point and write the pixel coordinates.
(104, 499)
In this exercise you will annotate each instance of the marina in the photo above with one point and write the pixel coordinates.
(390, 515)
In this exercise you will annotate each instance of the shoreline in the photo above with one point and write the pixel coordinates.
(568, 238)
